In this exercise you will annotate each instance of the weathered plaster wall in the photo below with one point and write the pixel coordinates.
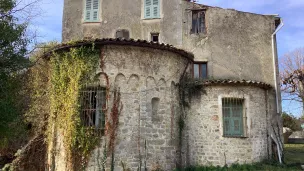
(237, 45)
(203, 141)
(126, 14)
(143, 74)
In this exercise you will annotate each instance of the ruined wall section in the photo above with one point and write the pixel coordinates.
(204, 143)
(148, 130)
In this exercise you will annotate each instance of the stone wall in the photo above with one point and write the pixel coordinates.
(204, 143)
(146, 135)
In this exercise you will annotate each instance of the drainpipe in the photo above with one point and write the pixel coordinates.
(274, 64)
(274, 53)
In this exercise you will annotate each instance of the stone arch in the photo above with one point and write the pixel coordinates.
(133, 82)
(150, 82)
(120, 81)
(103, 79)
(162, 83)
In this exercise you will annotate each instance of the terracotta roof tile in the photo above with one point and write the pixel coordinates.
(233, 82)
(118, 41)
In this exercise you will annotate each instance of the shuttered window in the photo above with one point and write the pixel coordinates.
(152, 9)
(91, 10)
(233, 117)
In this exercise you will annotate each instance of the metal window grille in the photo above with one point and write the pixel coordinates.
(198, 22)
(233, 117)
(93, 103)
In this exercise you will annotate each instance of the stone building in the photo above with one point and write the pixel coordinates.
(230, 55)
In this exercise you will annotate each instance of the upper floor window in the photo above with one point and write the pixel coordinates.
(198, 22)
(200, 70)
(152, 9)
(93, 103)
(233, 117)
(122, 34)
(91, 10)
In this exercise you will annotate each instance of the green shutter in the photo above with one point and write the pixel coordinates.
(233, 117)
(95, 10)
(155, 8)
(148, 8)
(152, 9)
(91, 10)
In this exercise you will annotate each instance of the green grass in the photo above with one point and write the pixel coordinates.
(294, 153)
(246, 167)
(294, 157)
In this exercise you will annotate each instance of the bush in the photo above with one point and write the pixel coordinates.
(291, 122)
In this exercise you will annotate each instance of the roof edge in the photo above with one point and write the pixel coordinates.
(118, 41)
(226, 82)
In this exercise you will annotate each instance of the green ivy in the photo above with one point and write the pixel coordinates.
(69, 72)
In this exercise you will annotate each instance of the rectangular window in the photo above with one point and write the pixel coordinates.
(198, 22)
(233, 115)
(200, 70)
(151, 9)
(93, 103)
(91, 11)
(155, 37)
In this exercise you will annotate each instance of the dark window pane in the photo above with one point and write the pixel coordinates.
(198, 22)
(155, 37)
(204, 70)
(226, 112)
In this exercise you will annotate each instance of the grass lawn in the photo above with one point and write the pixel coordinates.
(294, 153)
(294, 157)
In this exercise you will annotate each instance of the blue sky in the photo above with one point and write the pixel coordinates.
(291, 36)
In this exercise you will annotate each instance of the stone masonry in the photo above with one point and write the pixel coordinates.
(236, 46)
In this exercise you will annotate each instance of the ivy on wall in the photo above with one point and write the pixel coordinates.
(69, 72)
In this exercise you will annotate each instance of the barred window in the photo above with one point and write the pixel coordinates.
(233, 117)
(93, 103)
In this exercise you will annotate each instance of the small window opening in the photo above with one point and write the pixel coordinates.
(198, 22)
(155, 37)
(233, 117)
(122, 34)
(200, 70)
(93, 103)
(155, 105)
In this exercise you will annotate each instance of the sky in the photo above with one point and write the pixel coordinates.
(49, 23)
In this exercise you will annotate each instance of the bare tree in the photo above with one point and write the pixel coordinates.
(292, 76)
